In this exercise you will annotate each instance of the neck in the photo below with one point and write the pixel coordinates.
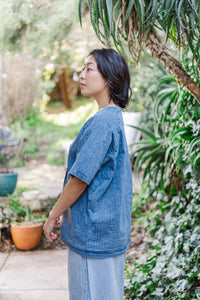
(107, 105)
(103, 101)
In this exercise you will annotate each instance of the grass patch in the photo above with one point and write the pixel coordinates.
(43, 132)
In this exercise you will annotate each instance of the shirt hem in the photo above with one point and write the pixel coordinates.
(94, 254)
(80, 176)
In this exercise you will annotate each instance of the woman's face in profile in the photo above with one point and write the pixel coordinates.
(92, 82)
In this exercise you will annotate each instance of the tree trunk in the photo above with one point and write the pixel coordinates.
(63, 88)
(154, 44)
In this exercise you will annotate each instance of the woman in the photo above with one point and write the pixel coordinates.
(97, 197)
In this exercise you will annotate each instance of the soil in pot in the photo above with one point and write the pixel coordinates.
(26, 235)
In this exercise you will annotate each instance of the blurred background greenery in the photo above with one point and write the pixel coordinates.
(42, 50)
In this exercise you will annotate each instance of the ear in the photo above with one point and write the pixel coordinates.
(105, 82)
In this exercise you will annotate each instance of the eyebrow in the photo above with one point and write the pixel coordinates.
(89, 63)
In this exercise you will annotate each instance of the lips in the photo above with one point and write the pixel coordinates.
(82, 84)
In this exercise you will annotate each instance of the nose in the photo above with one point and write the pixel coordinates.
(82, 75)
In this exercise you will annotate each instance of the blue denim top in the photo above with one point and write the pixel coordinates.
(98, 223)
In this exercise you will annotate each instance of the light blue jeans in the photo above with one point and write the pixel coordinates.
(95, 278)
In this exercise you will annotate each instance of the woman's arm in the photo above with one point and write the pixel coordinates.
(71, 192)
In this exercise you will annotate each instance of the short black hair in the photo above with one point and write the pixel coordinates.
(114, 69)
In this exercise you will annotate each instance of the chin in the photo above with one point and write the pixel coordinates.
(85, 94)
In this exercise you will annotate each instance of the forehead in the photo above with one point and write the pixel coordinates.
(91, 60)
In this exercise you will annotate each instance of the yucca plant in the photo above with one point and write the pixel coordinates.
(133, 24)
(150, 153)
(160, 152)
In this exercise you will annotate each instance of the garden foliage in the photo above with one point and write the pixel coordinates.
(171, 156)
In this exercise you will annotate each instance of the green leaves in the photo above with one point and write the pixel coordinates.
(128, 12)
(80, 4)
(147, 133)
(170, 159)
(35, 25)
(173, 271)
(180, 20)
(109, 5)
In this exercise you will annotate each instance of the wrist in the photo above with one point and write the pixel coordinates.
(52, 215)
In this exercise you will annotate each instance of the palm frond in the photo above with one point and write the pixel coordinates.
(109, 5)
(128, 12)
(131, 21)
(147, 133)
(80, 4)
(194, 143)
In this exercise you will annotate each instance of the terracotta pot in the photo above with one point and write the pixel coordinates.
(26, 235)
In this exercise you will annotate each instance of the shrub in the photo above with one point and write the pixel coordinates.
(21, 80)
(171, 269)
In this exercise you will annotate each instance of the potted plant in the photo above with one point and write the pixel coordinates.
(26, 228)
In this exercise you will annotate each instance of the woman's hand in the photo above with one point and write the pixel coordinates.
(48, 227)
(72, 191)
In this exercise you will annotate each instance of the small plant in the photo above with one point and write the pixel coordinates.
(16, 212)
(25, 227)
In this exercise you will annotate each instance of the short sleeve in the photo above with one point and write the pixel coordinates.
(91, 152)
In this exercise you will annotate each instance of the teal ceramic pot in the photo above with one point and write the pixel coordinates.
(8, 183)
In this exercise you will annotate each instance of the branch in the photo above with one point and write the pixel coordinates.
(172, 65)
